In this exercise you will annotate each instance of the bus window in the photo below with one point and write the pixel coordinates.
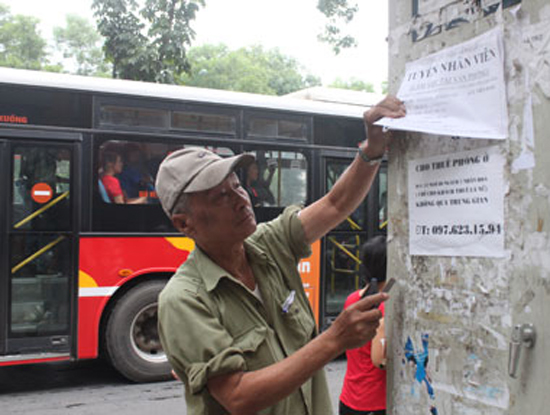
(41, 198)
(123, 175)
(125, 185)
(41, 266)
(342, 269)
(277, 179)
(195, 121)
(334, 131)
(127, 170)
(112, 116)
(281, 128)
(357, 220)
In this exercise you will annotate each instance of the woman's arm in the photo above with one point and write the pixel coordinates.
(378, 347)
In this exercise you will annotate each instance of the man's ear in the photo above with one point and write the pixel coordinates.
(183, 223)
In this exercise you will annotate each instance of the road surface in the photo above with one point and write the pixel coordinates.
(93, 387)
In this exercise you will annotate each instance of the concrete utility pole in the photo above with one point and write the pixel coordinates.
(468, 324)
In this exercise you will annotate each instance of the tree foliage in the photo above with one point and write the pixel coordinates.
(147, 43)
(79, 42)
(149, 40)
(21, 45)
(338, 12)
(353, 84)
(249, 69)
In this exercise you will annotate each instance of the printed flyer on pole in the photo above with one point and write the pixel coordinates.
(459, 91)
(456, 204)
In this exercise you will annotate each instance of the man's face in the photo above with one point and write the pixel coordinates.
(221, 215)
(118, 165)
(253, 172)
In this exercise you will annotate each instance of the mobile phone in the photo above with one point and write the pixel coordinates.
(389, 284)
(371, 289)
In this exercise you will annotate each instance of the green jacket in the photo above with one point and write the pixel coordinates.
(211, 324)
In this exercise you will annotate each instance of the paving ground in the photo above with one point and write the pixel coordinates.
(92, 387)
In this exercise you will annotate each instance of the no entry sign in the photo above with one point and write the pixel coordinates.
(41, 192)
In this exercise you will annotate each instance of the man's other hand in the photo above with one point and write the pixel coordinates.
(357, 324)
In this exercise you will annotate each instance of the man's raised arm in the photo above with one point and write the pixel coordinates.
(354, 184)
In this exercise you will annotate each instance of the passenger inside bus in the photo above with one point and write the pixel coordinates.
(112, 166)
(134, 177)
(257, 185)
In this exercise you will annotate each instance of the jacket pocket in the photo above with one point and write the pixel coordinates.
(298, 320)
(254, 346)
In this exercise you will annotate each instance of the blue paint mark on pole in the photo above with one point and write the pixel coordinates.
(420, 360)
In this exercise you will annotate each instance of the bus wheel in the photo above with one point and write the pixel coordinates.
(131, 336)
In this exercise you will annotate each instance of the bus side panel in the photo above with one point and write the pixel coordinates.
(310, 271)
(106, 264)
(19, 361)
(89, 316)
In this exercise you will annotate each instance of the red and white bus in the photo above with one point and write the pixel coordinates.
(79, 273)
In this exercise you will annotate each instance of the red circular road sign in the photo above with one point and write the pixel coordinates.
(41, 192)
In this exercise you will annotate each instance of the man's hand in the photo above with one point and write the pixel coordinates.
(357, 324)
(248, 392)
(377, 138)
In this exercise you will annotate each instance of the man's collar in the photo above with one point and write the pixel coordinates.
(211, 273)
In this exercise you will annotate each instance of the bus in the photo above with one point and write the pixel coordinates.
(80, 273)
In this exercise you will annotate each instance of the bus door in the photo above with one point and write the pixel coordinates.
(4, 172)
(39, 246)
(341, 246)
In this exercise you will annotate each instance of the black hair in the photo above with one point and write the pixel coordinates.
(373, 257)
(109, 157)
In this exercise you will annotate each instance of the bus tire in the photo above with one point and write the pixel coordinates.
(131, 339)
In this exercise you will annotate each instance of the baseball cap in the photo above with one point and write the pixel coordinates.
(192, 170)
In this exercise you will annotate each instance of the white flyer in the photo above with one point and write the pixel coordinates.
(459, 91)
(456, 204)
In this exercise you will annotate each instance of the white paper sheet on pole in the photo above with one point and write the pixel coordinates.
(459, 91)
(456, 204)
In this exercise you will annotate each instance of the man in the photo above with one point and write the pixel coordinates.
(234, 320)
